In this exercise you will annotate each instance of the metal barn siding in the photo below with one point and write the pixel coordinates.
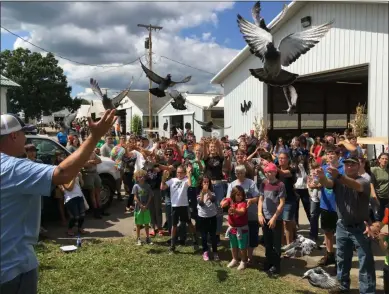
(359, 36)
(239, 86)
(167, 111)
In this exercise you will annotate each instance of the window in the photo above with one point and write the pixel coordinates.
(312, 121)
(217, 113)
(47, 149)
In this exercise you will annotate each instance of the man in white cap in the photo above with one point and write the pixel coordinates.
(22, 184)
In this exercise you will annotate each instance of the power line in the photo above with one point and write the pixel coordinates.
(211, 73)
(55, 54)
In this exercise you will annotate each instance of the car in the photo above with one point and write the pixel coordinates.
(47, 150)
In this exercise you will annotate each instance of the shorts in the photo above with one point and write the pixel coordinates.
(239, 243)
(328, 220)
(289, 212)
(253, 234)
(142, 217)
(180, 213)
(91, 181)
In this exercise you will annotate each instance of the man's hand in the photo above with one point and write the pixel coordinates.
(333, 172)
(261, 219)
(372, 231)
(272, 223)
(165, 174)
(100, 128)
(250, 201)
(320, 173)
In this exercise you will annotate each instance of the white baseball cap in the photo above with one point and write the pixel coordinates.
(11, 123)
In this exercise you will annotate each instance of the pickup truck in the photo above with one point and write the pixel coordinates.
(47, 148)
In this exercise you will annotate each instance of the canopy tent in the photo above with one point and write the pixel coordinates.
(83, 111)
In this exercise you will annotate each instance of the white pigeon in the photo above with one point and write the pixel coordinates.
(291, 98)
(215, 101)
(289, 50)
(318, 277)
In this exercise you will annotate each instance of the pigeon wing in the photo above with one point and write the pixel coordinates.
(216, 127)
(293, 95)
(256, 12)
(287, 95)
(174, 94)
(256, 37)
(297, 44)
(67, 121)
(116, 101)
(187, 79)
(96, 88)
(201, 123)
(152, 75)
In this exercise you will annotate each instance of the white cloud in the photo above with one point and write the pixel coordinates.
(107, 34)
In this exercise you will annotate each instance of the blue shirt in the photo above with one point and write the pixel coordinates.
(62, 138)
(23, 182)
(327, 200)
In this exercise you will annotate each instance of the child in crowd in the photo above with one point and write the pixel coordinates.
(74, 203)
(384, 243)
(206, 220)
(238, 226)
(314, 190)
(270, 207)
(142, 196)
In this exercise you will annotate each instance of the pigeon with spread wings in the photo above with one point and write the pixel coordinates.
(179, 100)
(317, 277)
(209, 126)
(290, 48)
(163, 83)
(107, 102)
(66, 124)
(215, 101)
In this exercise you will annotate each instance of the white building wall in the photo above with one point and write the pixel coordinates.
(359, 36)
(131, 109)
(168, 110)
(3, 100)
(239, 86)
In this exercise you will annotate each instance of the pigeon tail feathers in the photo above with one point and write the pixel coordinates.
(157, 92)
(283, 79)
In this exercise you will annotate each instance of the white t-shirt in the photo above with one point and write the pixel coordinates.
(76, 192)
(178, 191)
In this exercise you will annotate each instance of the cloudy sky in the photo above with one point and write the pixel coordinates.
(105, 36)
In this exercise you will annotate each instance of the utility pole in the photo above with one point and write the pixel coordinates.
(149, 45)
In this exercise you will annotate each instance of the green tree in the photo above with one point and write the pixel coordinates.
(44, 88)
(136, 125)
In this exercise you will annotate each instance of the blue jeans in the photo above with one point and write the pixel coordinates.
(218, 189)
(346, 237)
(315, 214)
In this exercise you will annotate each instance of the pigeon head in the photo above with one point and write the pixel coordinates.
(271, 51)
(169, 76)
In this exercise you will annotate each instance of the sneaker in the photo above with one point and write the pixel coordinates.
(273, 272)
(139, 242)
(327, 259)
(232, 263)
(148, 241)
(216, 257)
(152, 233)
(205, 256)
(242, 266)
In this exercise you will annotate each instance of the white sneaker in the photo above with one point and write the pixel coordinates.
(242, 266)
(232, 263)
(139, 242)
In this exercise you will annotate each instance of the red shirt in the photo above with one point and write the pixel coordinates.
(237, 220)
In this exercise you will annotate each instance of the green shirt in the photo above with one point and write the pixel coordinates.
(196, 172)
(380, 180)
(100, 143)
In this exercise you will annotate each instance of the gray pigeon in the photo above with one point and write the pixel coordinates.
(163, 83)
(209, 126)
(291, 98)
(289, 50)
(179, 100)
(66, 124)
(215, 101)
(109, 103)
(317, 277)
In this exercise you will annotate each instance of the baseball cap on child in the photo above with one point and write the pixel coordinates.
(10, 123)
(270, 167)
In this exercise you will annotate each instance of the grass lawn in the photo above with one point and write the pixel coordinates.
(119, 266)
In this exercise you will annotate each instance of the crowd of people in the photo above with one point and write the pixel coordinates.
(258, 184)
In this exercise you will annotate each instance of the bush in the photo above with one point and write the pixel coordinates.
(136, 125)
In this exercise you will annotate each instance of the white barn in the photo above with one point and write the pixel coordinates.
(197, 105)
(348, 66)
(5, 84)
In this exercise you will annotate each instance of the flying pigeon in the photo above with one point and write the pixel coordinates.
(209, 126)
(109, 103)
(66, 124)
(317, 277)
(163, 83)
(291, 98)
(289, 50)
(245, 106)
(215, 101)
(179, 100)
